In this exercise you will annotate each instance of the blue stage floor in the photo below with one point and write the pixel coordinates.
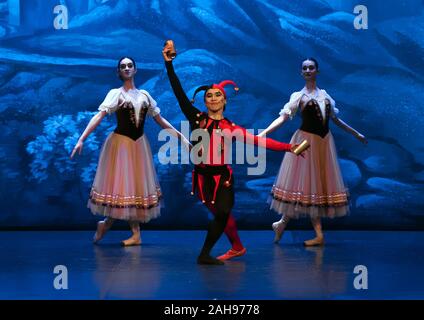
(164, 266)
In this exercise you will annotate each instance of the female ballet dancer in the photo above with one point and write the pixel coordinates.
(313, 185)
(213, 178)
(126, 186)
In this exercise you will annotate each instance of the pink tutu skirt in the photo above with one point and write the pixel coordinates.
(126, 186)
(310, 186)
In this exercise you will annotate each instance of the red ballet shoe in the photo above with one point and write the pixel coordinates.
(232, 254)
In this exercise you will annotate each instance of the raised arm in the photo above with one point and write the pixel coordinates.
(94, 122)
(274, 125)
(187, 108)
(340, 123)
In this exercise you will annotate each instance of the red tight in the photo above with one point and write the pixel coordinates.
(230, 231)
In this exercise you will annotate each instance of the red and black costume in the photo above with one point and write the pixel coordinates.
(213, 180)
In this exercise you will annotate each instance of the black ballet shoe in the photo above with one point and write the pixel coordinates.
(207, 259)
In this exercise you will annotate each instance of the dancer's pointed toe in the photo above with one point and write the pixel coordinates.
(278, 228)
(100, 232)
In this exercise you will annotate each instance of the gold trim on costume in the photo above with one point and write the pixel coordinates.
(118, 201)
(335, 199)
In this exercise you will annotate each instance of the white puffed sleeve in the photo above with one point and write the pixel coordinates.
(111, 102)
(290, 108)
(334, 110)
(153, 107)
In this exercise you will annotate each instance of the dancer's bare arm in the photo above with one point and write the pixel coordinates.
(94, 122)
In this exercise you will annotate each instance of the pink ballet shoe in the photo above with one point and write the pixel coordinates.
(278, 228)
(232, 254)
(131, 242)
(318, 241)
(100, 232)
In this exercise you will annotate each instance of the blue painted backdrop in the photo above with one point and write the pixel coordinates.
(51, 82)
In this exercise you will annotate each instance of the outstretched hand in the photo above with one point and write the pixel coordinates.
(362, 138)
(77, 148)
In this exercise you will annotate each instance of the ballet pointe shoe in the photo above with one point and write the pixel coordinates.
(100, 232)
(133, 241)
(232, 254)
(278, 228)
(317, 241)
(207, 259)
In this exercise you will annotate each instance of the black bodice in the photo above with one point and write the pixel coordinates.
(127, 121)
(312, 120)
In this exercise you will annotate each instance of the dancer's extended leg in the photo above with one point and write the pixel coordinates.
(237, 248)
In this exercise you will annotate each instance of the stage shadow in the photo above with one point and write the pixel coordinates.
(223, 281)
